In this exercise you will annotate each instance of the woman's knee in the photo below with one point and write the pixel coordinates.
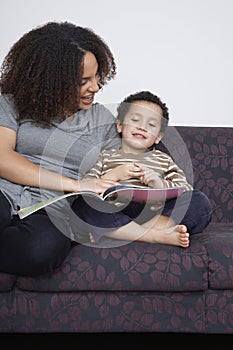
(45, 247)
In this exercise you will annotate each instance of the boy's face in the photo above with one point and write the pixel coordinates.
(141, 126)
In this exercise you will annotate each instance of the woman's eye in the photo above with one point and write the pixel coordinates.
(83, 82)
(152, 125)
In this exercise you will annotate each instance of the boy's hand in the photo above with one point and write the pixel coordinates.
(150, 177)
(124, 172)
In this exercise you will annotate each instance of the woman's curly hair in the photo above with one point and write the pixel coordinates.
(43, 70)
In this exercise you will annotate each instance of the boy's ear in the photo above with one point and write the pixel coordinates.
(159, 137)
(119, 125)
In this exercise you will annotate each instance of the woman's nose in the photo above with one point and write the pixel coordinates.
(94, 86)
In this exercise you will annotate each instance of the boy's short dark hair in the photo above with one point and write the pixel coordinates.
(147, 96)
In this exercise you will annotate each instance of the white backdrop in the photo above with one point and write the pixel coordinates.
(181, 50)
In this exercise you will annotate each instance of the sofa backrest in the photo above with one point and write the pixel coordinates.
(206, 156)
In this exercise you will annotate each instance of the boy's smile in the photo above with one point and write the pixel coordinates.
(141, 127)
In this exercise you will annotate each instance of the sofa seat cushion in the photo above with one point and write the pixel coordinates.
(132, 267)
(218, 241)
(7, 281)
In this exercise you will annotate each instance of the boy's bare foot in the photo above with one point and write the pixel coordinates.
(175, 235)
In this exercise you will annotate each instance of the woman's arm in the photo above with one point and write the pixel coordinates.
(16, 168)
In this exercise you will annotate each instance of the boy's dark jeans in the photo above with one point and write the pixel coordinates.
(191, 208)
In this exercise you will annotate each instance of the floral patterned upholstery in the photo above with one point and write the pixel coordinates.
(134, 267)
(140, 287)
(207, 162)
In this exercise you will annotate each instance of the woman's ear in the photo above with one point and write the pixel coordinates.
(159, 137)
(119, 125)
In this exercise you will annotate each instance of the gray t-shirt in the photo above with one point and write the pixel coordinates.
(69, 148)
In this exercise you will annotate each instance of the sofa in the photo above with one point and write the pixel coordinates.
(140, 287)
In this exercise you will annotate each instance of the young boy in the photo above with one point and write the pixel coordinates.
(142, 119)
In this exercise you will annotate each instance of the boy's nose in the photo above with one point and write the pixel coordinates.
(141, 127)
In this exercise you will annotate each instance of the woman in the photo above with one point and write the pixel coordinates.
(47, 122)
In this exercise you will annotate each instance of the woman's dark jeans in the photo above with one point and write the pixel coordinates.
(32, 246)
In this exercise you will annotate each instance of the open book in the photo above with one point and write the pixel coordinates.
(121, 193)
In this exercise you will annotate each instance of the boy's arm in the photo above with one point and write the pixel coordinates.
(175, 176)
(98, 169)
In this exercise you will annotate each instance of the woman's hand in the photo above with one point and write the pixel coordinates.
(94, 185)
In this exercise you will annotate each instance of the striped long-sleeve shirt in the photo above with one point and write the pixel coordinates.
(170, 173)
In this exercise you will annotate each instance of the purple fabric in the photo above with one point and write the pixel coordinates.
(211, 151)
(135, 267)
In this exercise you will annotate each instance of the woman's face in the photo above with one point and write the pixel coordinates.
(90, 80)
